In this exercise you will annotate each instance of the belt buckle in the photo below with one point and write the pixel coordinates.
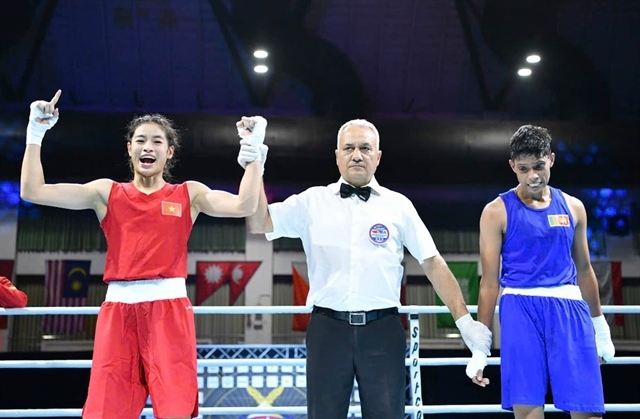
(357, 318)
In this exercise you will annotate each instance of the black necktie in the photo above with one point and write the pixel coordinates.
(347, 190)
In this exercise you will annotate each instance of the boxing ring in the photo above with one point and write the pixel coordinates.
(293, 356)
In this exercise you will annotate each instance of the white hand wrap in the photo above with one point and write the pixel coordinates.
(477, 362)
(606, 350)
(257, 132)
(36, 130)
(264, 149)
(476, 335)
(249, 153)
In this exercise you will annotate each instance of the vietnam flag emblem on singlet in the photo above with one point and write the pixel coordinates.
(171, 208)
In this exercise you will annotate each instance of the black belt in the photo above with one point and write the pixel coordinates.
(356, 318)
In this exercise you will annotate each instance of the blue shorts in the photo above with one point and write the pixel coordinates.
(546, 338)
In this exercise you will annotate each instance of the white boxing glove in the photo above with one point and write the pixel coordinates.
(476, 335)
(264, 149)
(35, 129)
(248, 154)
(258, 131)
(605, 347)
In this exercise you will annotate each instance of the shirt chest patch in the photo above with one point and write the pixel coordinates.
(559, 220)
(171, 208)
(379, 234)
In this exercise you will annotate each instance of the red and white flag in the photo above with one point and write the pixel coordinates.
(241, 274)
(66, 284)
(210, 276)
(300, 281)
(609, 275)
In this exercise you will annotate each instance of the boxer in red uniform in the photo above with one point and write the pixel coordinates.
(145, 339)
(10, 296)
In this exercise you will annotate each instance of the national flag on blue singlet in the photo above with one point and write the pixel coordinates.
(467, 275)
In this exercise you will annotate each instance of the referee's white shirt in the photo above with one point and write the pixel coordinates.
(354, 249)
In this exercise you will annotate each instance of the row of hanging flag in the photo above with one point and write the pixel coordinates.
(66, 284)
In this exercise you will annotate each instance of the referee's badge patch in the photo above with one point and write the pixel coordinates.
(379, 234)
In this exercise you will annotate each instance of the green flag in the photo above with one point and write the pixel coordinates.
(467, 275)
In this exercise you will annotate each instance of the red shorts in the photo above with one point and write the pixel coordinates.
(140, 349)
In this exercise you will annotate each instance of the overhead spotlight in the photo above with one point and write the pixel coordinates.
(533, 59)
(261, 69)
(260, 53)
(524, 72)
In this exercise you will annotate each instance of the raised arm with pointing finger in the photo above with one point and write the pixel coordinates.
(145, 334)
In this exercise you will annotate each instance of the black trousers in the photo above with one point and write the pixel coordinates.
(374, 354)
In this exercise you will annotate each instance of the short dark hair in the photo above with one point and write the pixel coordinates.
(530, 140)
(170, 131)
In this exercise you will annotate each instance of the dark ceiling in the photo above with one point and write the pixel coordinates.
(422, 61)
(346, 58)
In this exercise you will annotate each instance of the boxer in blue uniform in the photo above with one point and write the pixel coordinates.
(552, 327)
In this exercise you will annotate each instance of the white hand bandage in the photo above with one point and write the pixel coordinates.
(257, 132)
(36, 130)
(477, 362)
(606, 350)
(476, 335)
(264, 149)
(248, 154)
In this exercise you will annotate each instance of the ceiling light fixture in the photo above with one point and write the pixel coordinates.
(261, 69)
(260, 53)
